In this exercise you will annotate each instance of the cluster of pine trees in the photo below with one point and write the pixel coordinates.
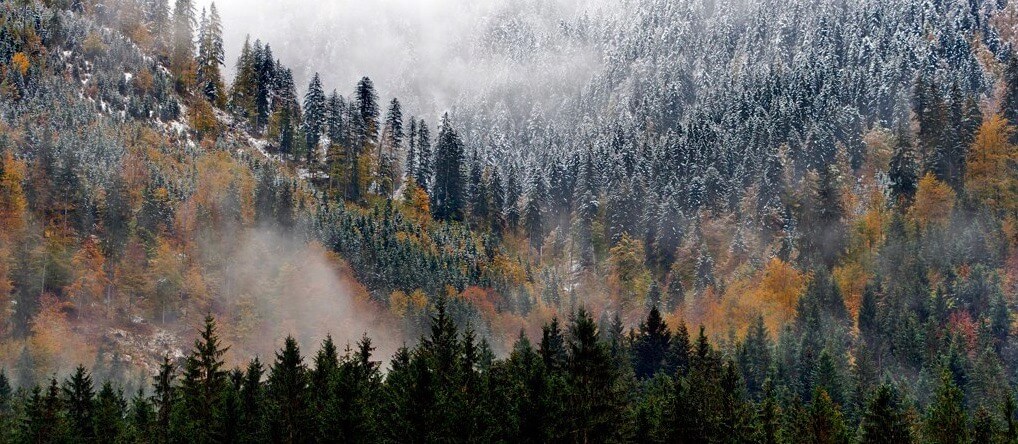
(579, 384)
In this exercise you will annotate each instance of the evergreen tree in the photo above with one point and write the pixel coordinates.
(448, 192)
(903, 170)
(1009, 104)
(110, 410)
(651, 345)
(533, 213)
(163, 400)
(79, 399)
(287, 393)
(423, 170)
(210, 56)
(389, 149)
(946, 420)
(596, 396)
(367, 109)
(182, 49)
(314, 120)
(202, 388)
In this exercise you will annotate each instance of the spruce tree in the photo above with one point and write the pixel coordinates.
(424, 168)
(201, 390)
(903, 170)
(79, 399)
(288, 395)
(448, 192)
(651, 345)
(182, 49)
(946, 420)
(389, 150)
(314, 120)
(533, 213)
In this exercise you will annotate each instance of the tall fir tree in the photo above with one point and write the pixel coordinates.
(448, 196)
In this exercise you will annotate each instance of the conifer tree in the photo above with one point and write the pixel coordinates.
(651, 345)
(79, 399)
(389, 149)
(885, 420)
(182, 49)
(1009, 105)
(367, 109)
(946, 420)
(903, 170)
(210, 56)
(448, 200)
(287, 392)
(424, 166)
(314, 120)
(533, 213)
(202, 388)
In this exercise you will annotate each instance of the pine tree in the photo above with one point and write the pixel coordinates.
(245, 84)
(754, 357)
(141, 418)
(424, 168)
(201, 389)
(288, 395)
(903, 170)
(651, 345)
(448, 192)
(367, 109)
(497, 199)
(533, 213)
(389, 149)
(110, 410)
(210, 56)
(412, 159)
(595, 395)
(182, 49)
(79, 399)
(252, 404)
(164, 399)
(477, 193)
(946, 420)
(314, 120)
(1009, 104)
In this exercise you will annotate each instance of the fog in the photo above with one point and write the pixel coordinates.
(434, 55)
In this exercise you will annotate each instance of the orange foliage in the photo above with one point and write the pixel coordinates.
(90, 282)
(934, 201)
(20, 62)
(772, 292)
(12, 197)
(418, 204)
(989, 173)
(55, 344)
(482, 299)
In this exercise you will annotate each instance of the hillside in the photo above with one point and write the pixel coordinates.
(735, 220)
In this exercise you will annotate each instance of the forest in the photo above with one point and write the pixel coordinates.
(753, 221)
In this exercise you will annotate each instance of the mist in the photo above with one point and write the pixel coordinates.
(434, 55)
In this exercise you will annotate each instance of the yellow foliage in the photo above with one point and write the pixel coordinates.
(629, 275)
(12, 197)
(934, 201)
(54, 343)
(851, 278)
(418, 204)
(402, 304)
(20, 62)
(777, 293)
(202, 117)
(90, 276)
(989, 173)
